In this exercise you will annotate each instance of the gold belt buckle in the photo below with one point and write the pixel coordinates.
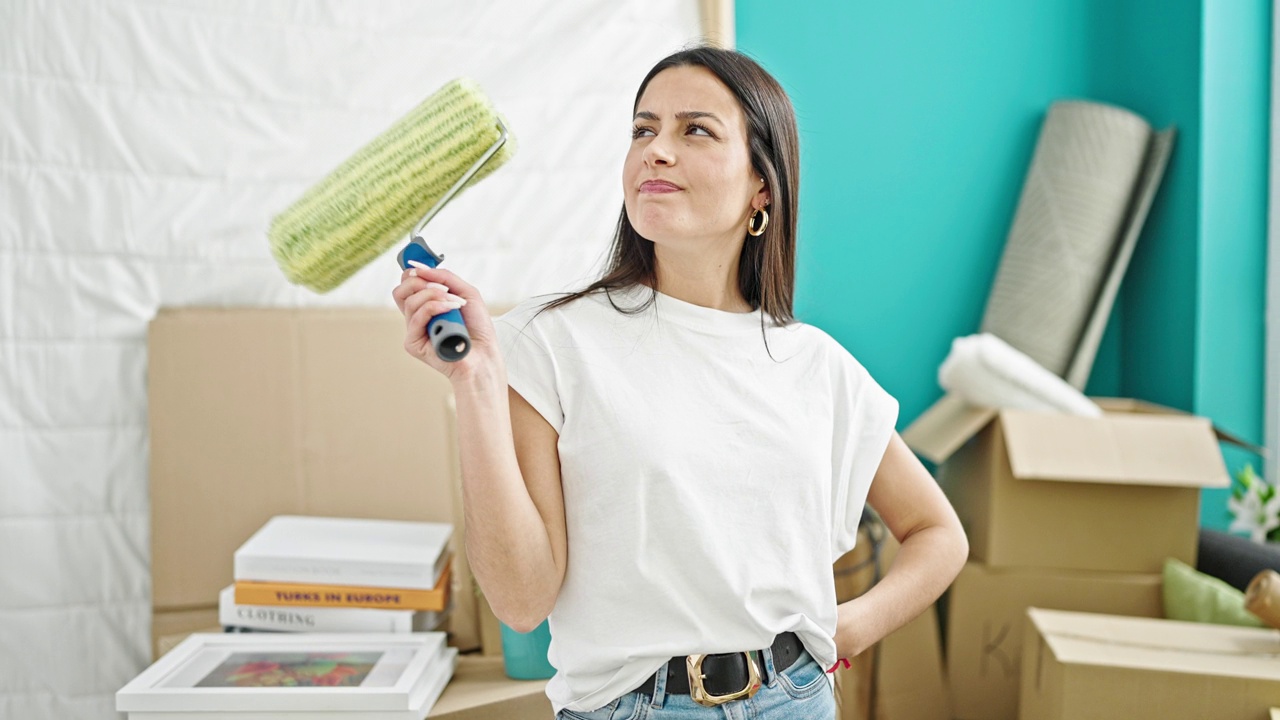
(700, 694)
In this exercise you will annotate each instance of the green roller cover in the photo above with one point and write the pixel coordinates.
(377, 196)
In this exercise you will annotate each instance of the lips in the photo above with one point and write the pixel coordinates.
(658, 186)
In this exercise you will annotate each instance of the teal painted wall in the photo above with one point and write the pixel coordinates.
(918, 120)
(1231, 338)
(1155, 72)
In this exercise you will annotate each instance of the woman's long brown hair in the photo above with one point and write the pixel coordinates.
(766, 267)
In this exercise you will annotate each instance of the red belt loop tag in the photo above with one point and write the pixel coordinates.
(841, 661)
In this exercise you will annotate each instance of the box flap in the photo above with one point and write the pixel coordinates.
(1131, 405)
(944, 427)
(1124, 448)
(1159, 645)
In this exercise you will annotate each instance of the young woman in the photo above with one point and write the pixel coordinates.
(667, 463)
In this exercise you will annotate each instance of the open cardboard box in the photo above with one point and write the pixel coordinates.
(1079, 666)
(1120, 492)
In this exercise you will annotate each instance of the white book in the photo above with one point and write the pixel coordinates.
(281, 618)
(346, 551)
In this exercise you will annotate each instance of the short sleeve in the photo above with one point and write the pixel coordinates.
(865, 418)
(531, 367)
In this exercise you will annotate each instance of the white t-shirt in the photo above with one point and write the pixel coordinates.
(708, 487)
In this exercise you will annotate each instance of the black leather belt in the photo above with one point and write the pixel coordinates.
(726, 672)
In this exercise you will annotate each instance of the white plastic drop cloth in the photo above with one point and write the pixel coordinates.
(144, 147)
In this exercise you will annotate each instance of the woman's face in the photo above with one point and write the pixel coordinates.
(688, 174)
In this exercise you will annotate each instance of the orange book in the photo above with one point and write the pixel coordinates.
(305, 594)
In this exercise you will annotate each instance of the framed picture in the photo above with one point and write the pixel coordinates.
(293, 675)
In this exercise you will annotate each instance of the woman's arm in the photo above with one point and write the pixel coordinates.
(512, 500)
(516, 536)
(934, 550)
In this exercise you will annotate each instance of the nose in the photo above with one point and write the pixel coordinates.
(658, 151)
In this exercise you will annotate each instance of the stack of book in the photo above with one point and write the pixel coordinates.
(320, 574)
(357, 601)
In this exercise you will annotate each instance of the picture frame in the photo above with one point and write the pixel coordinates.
(293, 675)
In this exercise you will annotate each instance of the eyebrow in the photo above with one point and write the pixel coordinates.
(686, 115)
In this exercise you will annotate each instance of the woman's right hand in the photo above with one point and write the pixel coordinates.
(425, 292)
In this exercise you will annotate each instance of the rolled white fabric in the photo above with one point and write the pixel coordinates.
(986, 371)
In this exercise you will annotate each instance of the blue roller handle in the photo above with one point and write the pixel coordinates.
(447, 331)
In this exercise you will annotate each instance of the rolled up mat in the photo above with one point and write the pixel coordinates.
(1086, 192)
(1262, 597)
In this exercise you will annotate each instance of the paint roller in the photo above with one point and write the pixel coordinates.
(392, 186)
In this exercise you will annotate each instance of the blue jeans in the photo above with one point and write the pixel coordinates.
(801, 692)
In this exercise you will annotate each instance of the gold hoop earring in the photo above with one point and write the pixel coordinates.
(764, 222)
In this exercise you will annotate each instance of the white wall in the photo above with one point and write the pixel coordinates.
(144, 146)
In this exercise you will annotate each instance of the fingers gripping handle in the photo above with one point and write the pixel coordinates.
(447, 331)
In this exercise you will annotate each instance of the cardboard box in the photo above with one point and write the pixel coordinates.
(490, 629)
(986, 614)
(1102, 667)
(262, 412)
(481, 690)
(168, 628)
(902, 677)
(1119, 493)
